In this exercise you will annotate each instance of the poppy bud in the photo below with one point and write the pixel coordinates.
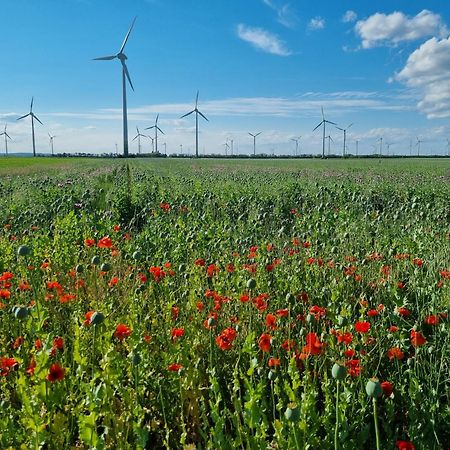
(137, 255)
(339, 371)
(105, 267)
(97, 318)
(95, 260)
(79, 268)
(289, 297)
(373, 388)
(23, 250)
(272, 375)
(251, 284)
(342, 321)
(136, 359)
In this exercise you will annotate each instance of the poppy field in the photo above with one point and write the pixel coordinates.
(225, 305)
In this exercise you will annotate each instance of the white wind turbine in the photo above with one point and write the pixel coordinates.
(296, 140)
(254, 141)
(448, 145)
(156, 132)
(125, 75)
(345, 136)
(138, 137)
(330, 139)
(419, 141)
(51, 142)
(33, 116)
(197, 112)
(324, 122)
(153, 143)
(7, 136)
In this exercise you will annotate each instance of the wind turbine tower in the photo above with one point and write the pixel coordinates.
(448, 145)
(329, 139)
(254, 141)
(125, 76)
(296, 140)
(138, 137)
(156, 132)
(51, 142)
(323, 123)
(197, 112)
(33, 116)
(7, 136)
(419, 141)
(345, 136)
(381, 146)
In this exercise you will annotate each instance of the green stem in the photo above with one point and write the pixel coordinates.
(336, 429)
(375, 419)
(297, 445)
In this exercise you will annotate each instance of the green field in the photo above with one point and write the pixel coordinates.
(218, 303)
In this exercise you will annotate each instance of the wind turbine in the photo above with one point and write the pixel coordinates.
(138, 137)
(324, 122)
(296, 140)
(419, 141)
(254, 141)
(356, 145)
(345, 136)
(329, 139)
(156, 132)
(197, 112)
(125, 75)
(388, 145)
(226, 148)
(448, 145)
(51, 141)
(33, 116)
(153, 143)
(381, 146)
(7, 136)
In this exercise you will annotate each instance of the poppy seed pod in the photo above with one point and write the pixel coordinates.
(105, 267)
(79, 268)
(137, 255)
(21, 312)
(373, 388)
(95, 260)
(338, 371)
(292, 413)
(251, 284)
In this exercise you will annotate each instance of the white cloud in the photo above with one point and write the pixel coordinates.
(316, 23)
(349, 16)
(391, 29)
(428, 70)
(285, 14)
(263, 40)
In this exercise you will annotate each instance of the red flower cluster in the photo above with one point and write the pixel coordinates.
(226, 338)
(122, 331)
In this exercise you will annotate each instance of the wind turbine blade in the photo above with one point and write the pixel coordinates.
(323, 117)
(135, 137)
(318, 125)
(161, 131)
(7, 135)
(340, 128)
(36, 117)
(156, 121)
(127, 36)
(252, 135)
(187, 114)
(349, 125)
(257, 134)
(105, 58)
(49, 135)
(196, 100)
(23, 117)
(149, 128)
(332, 123)
(31, 104)
(203, 115)
(137, 129)
(127, 74)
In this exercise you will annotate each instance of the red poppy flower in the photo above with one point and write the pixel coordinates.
(354, 367)
(418, 262)
(264, 342)
(174, 367)
(271, 321)
(417, 339)
(395, 353)
(105, 242)
(282, 312)
(58, 343)
(387, 387)
(372, 313)
(89, 242)
(393, 329)
(345, 337)
(122, 331)
(273, 362)
(177, 333)
(6, 364)
(318, 312)
(212, 270)
(432, 320)
(31, 368)
(113, 281)
(362, 327)
(404, 312)
(200, 262)
(404, 445)
(288, 344)
(226, 338)
(56, 373)
(88, 317)
(313, 345)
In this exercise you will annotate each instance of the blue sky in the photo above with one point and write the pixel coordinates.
(260, 65)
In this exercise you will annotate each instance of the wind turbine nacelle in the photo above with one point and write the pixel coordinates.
(122, 56)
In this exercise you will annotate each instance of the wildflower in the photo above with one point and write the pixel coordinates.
(362, 327)
(418, 262)
(271, 321)
(200, 262)
(417, 339)
(345, 337)
(56, 373)
(432, 320)
(113, 281)
(264, 342)
(226, 338)
(273, 362)
(174, 367)
(282, 312)
(404, 445)
(313, 345)
(404, 312)
(387, 387)
(31, 368)
(177, 333)
(122, 331)
(372, 313)
(105, 242)
(395, 353)
(89, 242)
(318, 312)
(6, 364)
(354, 367)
